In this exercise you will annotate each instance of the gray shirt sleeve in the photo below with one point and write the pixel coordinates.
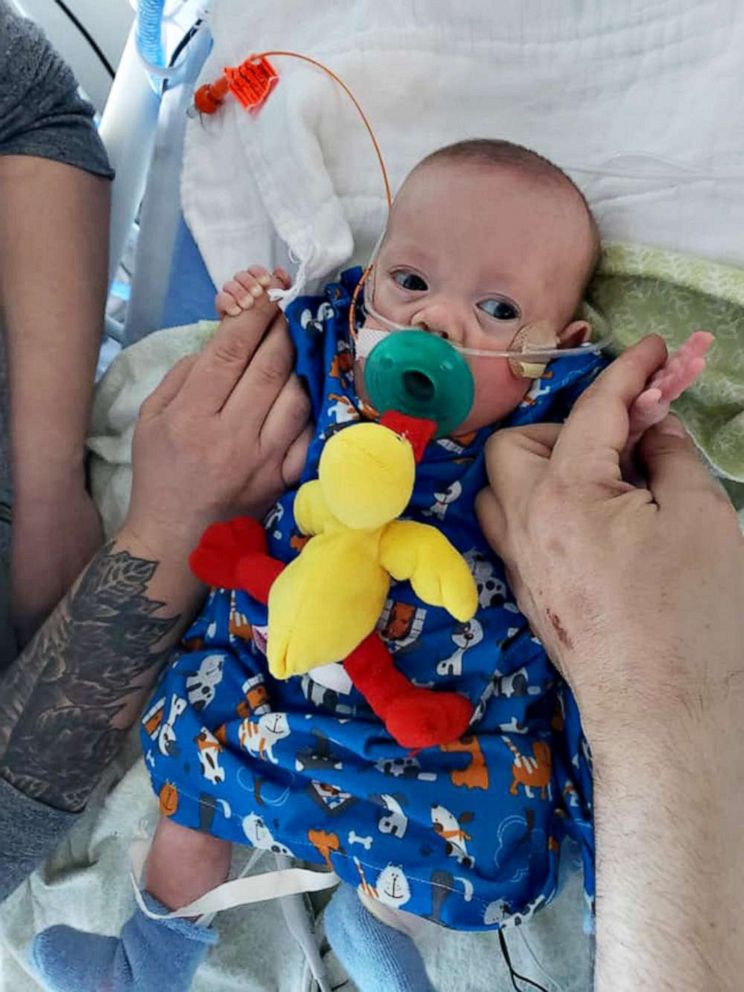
(41, 111)
(29, 832)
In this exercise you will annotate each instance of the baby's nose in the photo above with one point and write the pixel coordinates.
(442, 319)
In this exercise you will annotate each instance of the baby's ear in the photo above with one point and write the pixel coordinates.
(574, 334)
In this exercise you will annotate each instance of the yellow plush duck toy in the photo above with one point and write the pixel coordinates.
(330, 598)
(324, 605)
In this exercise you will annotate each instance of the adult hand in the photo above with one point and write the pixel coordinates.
(53, 538)
(636, 592)
(225, 433)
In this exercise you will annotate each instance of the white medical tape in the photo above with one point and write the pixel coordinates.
(238, 892)
(367, 338)
(243, 891)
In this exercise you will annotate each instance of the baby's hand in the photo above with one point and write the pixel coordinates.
(678, 373)
(246, 287)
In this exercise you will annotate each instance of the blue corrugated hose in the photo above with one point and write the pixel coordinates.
(149, 31)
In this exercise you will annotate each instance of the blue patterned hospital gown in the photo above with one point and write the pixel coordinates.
(467, 834)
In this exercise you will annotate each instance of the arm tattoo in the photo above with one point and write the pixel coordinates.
(67, 702)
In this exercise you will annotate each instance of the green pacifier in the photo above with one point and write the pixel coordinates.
(421, 375)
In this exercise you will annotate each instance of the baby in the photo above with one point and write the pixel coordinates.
(486, 241)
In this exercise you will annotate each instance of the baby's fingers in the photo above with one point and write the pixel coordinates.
(679, 376)
(226, 304)
(683, 367)
(242, 291)
(650, 408)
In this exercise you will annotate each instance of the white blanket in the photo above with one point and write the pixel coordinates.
(638, 100)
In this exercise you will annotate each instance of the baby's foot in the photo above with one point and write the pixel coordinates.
(376, 957)
(247, 287)
(149, 954)
(422, 718)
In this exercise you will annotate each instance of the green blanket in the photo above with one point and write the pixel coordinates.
(639, 290)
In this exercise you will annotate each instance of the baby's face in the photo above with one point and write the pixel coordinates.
(474, 252)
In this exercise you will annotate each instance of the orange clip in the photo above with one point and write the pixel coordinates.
(209, 98)
(251, 82)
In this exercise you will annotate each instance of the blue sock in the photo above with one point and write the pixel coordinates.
(376, 957)
(160, 955)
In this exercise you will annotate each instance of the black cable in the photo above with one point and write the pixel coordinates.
(512, 973)
(180, 47)
(88, 37)
(184, 42)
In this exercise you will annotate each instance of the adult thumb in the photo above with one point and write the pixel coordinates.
(673, 468)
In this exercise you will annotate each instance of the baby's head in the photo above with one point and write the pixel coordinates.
(484, 238)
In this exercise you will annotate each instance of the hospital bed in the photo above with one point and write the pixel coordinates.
(598, 88)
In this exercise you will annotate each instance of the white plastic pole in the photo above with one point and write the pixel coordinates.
(128, 128)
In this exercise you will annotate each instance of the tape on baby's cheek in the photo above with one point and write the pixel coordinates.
(367, 338)
(532, 337)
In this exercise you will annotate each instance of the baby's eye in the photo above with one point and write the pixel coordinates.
(500, 309)
(410, 281)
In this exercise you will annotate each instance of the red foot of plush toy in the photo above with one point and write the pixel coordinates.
(232, 555)
(413, 716)
(424, 718)
(222, 546)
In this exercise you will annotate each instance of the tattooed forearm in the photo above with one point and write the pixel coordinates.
(67, 702)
